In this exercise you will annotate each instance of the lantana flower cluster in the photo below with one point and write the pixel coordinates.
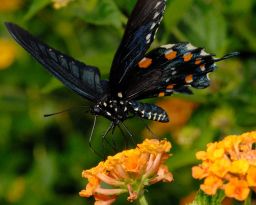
(229, 165)
(128, 172)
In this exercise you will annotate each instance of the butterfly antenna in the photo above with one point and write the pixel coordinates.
(230, 55)
(66, 110)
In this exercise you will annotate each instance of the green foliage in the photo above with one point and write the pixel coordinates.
(41, 159)
(203, 199)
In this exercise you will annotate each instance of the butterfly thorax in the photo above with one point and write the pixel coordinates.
(114, 109)
(117, 110)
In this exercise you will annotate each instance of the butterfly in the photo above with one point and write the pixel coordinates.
(135, 74)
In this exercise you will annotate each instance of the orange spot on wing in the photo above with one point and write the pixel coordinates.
(171, 86)
(187, 56)
(189, 78)
(161, 94)
(198, 61)
(145, 63)
(171, 55)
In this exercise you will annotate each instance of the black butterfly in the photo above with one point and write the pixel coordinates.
(134, 75)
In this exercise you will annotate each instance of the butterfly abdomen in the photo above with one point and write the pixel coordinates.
(149, 111)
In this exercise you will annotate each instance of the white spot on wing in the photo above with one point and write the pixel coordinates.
(153, 25)
(167, 80)
(156, 15)
(208, 76)
(190, 46)
(168, 46)
(157, 4)
(148, 37)
(174, 72)
(161, 18)
(202, 67)
(203, 53)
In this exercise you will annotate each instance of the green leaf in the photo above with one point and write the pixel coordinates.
(175, 12)
(203, 199)
(51, 86)
(105, 13)
(238, 7)
(182, 159)
(35, 7)
(207, 29)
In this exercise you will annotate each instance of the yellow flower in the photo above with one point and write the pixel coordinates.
(58, 4)
(128, 172)
(230, 165)
(7, 53)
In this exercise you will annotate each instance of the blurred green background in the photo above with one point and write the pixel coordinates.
(41, 159)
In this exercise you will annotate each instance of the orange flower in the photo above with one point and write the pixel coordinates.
(237, 189)
(128, 172)
(211, 184)
(229, 165)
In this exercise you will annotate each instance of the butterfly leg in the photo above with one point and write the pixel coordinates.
(129, 133)
(149, 130)
(90, 138)
(126, 140)
(104, 137)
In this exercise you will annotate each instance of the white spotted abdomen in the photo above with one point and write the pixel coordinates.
(149, 111)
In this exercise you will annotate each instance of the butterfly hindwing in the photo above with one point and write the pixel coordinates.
(83, 79)
(139, 34)
(171, 68)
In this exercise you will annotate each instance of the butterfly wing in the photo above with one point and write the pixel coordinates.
(172, 68)
(83, 79)
(139, 34)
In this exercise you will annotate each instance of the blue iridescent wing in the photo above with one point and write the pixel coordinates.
(81, 78)
(139, 34)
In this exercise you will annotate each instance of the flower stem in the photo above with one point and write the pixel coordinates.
(248, 200)
(142, 200)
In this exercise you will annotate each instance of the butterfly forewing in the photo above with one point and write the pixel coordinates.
(139, 34)
(83, 79)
